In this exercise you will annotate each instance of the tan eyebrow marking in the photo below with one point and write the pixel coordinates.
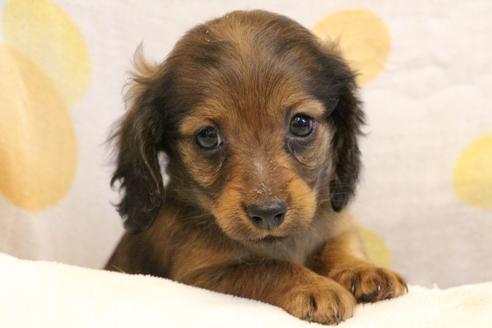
(203, 115)
(312, 107)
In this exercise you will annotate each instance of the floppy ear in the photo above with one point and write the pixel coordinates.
(137, 138)
(346, 117)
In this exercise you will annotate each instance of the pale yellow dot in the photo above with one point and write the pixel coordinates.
(473, 173)
(38, 151)
(376, 248)
(362, 37)
(44, 33)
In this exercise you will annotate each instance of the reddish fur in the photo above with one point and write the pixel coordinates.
(235, 73)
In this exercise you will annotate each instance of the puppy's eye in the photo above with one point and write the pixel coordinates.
(301, 125)
(208, 138)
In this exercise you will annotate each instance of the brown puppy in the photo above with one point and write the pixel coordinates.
(260, 124)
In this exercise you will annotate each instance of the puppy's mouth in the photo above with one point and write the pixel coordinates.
(270, 239)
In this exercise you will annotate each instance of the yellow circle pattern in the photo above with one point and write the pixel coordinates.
(37, 142)
(473, 173)
(362, 37)
(43, 32)
(376, 248)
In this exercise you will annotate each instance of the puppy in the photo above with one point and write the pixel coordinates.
(260, 124)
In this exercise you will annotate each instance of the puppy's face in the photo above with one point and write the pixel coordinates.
(257, 152)
(260, 124)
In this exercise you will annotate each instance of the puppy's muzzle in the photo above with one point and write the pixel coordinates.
(267, 215)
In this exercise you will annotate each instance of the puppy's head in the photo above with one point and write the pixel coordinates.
(259, 122)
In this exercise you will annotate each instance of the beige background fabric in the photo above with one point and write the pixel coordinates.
(425, 199)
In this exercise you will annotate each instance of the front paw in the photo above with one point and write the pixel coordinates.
(323, 301)
(369, 283)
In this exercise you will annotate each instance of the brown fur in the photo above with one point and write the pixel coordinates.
(247, 74)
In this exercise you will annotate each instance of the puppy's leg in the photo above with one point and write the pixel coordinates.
(294, 288)
(343, 260)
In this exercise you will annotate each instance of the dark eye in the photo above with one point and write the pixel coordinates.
(208, 138)
(301, 125)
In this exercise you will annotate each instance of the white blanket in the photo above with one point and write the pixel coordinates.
(44, 294)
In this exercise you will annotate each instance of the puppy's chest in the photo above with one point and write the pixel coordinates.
(297, 249)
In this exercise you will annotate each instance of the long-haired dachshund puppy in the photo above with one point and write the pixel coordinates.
(260, 124)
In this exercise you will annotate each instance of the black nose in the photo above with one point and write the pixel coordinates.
(267, 216)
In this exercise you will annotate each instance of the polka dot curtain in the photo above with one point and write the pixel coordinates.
(425, 201)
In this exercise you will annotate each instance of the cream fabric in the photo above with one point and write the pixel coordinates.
(56, 295)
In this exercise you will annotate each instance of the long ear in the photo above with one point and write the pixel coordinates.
(136, 140)
(346, 118)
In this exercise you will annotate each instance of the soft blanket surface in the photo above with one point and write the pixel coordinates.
(45, 294)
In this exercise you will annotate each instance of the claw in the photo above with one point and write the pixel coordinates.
(338, 318)
(352, 289)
